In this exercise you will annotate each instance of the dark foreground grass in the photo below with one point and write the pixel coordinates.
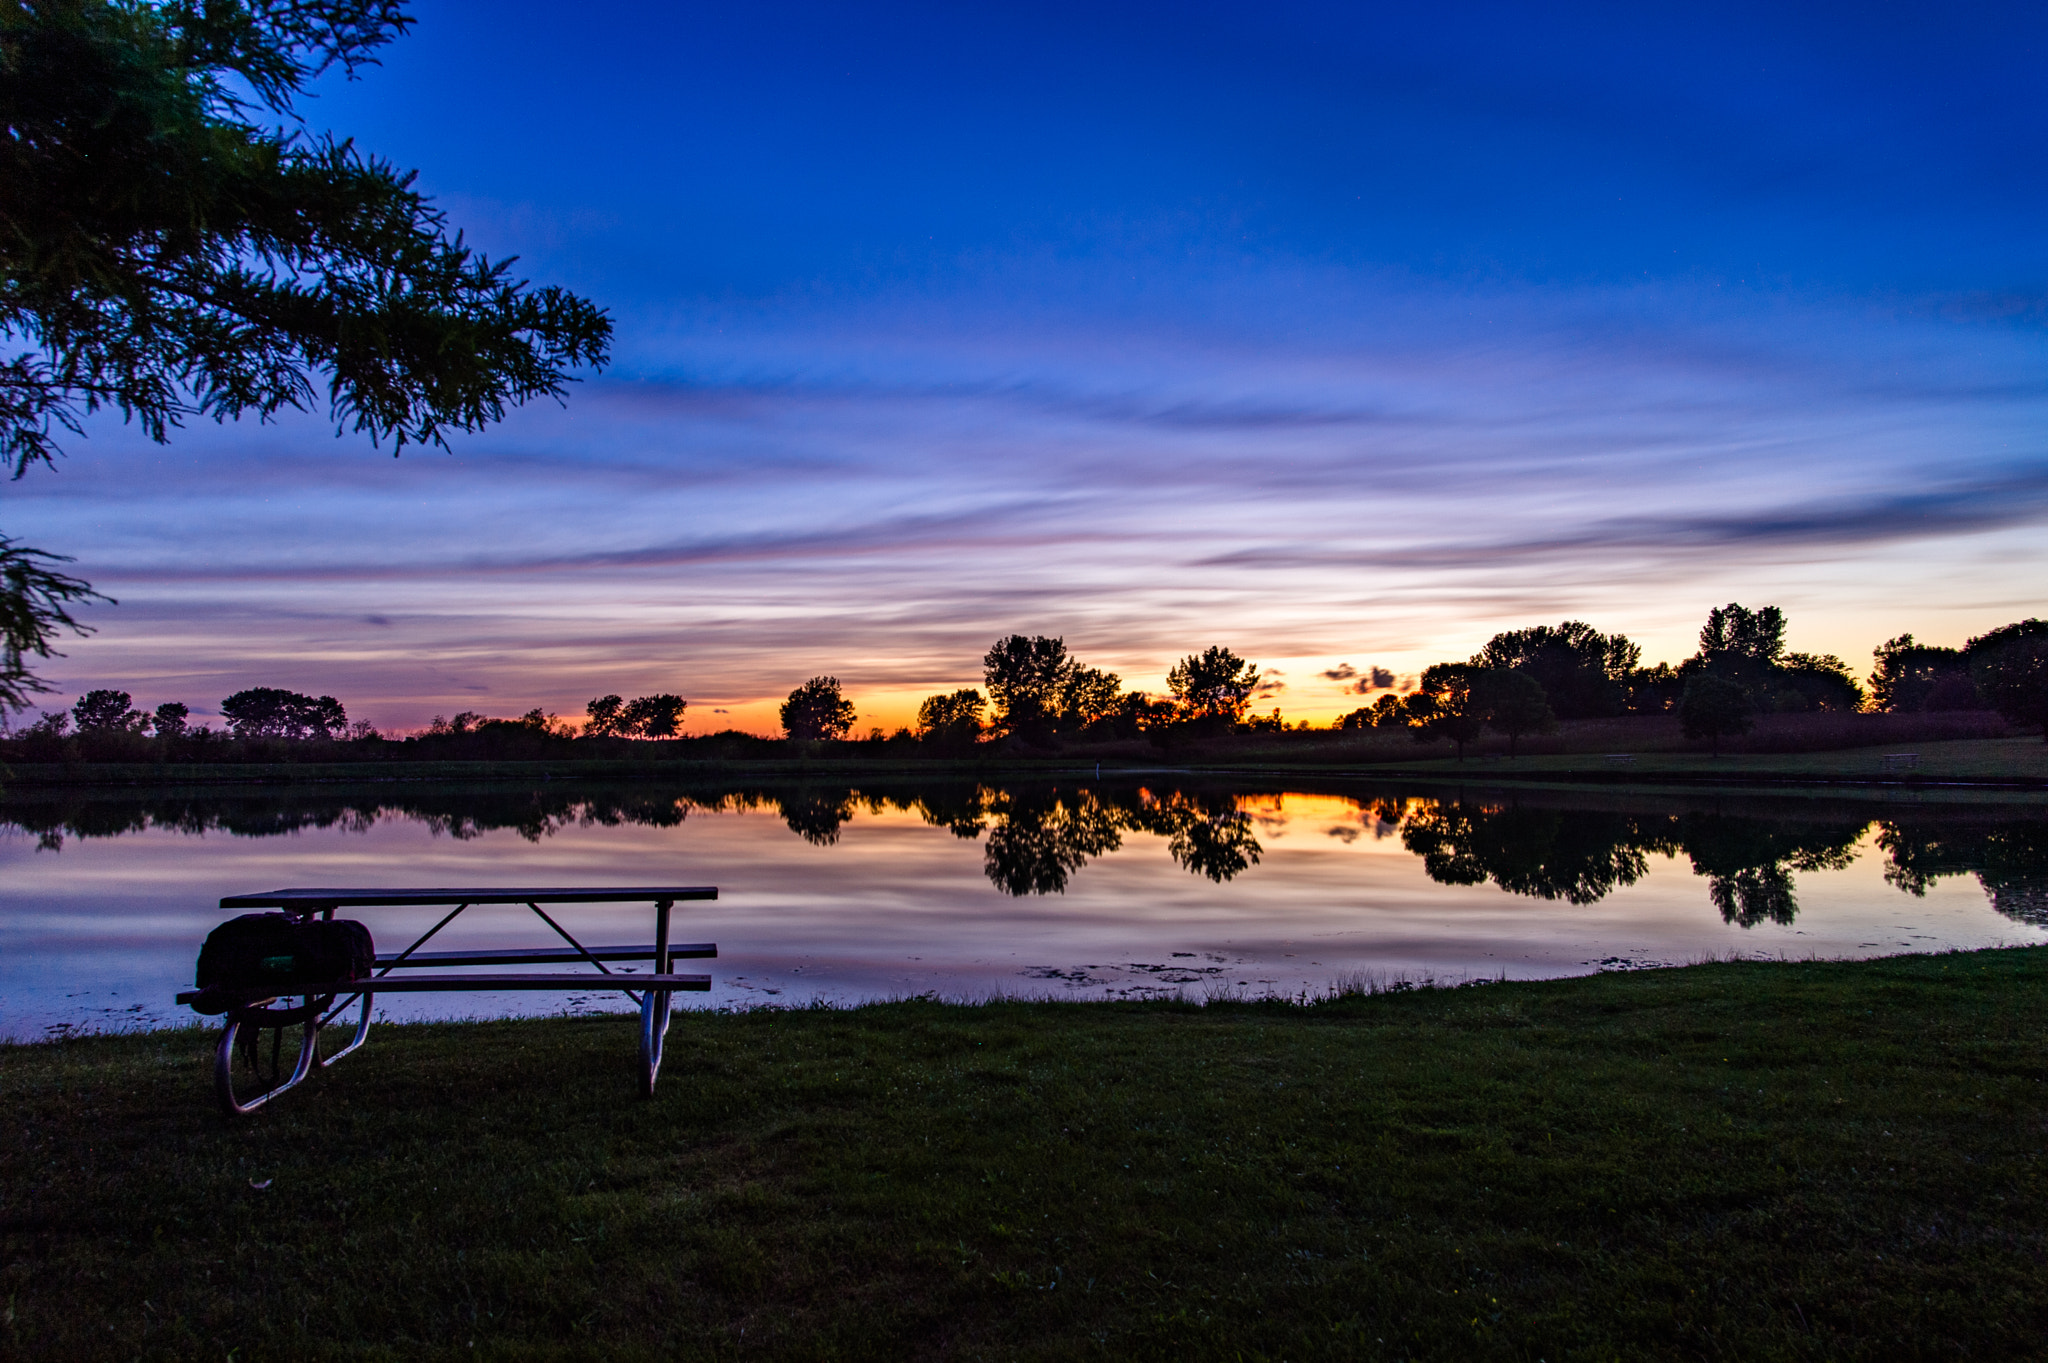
(1727, 1161)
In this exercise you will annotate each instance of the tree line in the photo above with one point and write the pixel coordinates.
(1523, 681)
(1036, 692)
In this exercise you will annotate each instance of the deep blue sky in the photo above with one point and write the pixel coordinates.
(1338, 335)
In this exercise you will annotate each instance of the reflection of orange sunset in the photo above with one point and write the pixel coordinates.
(889, 902)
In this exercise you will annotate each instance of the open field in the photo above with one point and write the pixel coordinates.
(1736, 1160)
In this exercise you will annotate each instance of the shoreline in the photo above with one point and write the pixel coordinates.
(1960, 765)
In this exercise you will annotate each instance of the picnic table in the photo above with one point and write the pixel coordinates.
(257, 1008)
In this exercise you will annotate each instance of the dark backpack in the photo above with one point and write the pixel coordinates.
(272, 950)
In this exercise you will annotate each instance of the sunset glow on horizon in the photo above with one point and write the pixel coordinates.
(1343, 337)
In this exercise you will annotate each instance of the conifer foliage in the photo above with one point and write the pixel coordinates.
(174, 243)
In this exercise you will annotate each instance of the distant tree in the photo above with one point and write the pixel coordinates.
(1951, 692)
(1449, 703)
(535, 723)
(1515, 704)
(1027, 680)
(1582, 671)
(1906, 673)
(1213, 687)
(2010, 668)
(605, 715)
(1713, 706)
(954, 717)
(817, 711)
(1138, 715)
(1355, 720)
(659, 716)
(1737, 634)
(171, 719)
(1654, 690)
(1814, 681)
(267, 712)
(1390, 712)
(1088, 697)
(108, 712)
(33, 602)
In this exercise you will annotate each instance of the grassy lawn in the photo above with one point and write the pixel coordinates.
(1726, 1161)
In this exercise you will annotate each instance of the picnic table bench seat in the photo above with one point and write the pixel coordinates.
(250, 1011)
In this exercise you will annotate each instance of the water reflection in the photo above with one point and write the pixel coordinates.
(2009, 858)
(1749, 863)
(1038, 836)
(1579, 856)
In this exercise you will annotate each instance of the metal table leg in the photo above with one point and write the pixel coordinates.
(654, 1005)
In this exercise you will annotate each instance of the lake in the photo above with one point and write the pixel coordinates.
(1122, 888)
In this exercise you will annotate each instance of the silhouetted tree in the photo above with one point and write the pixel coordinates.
(658, 716)
(172, 245)
(954, 717)
(1448, 703)
(1213, 687)
(605, 715)
(171, 719)
(1139, 715)
(1582, 671)
(1515, 704)
(1814, 681)
(816, 711)
(1654, 690)
(2010, 668)
(1027, 679)
(1088, 697)
(1742, 639)
(267, 712)
(1713, 706)
(108, 712)
(1906, 674)
(535, 723)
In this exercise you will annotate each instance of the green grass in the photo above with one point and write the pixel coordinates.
(2021, 760)
(1726, 1161)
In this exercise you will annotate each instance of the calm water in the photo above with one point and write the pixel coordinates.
(1069, 890)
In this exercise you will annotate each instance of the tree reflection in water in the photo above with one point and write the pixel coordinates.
(1570, 848)
(1037, 840)
(1583, 855)
(2008, 857)
(1573, 855)
(1749, 863)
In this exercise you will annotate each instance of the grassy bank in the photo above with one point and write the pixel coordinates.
(2021, 762)
(1962, 747)
(1747, 1160)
